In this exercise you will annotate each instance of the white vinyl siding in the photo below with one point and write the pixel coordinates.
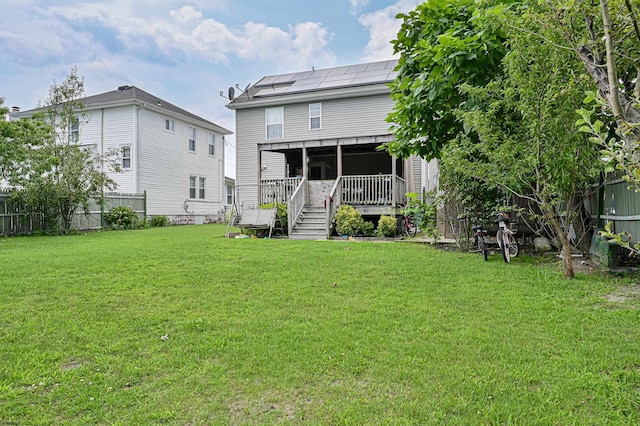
(315, 116)
(274, 118)
(165, 165)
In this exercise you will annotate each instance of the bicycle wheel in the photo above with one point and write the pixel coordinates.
(482, 248)
(503, 243)
(410, 227)
(514, 247)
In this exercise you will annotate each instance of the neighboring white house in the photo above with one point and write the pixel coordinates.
(172, 154)
(311, 139)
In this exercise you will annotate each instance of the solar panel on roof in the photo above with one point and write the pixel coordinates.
(377, 66)
(357, 68)
(335, 83)
(338, 71)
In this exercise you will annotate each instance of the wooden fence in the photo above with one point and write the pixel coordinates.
(13, 221)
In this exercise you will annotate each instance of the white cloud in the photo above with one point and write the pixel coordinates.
(383, 27)
(356, 4)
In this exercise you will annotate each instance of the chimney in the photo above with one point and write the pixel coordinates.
(15, 109)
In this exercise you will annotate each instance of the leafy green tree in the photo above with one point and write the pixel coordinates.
(523, 137)
(606, 37)
(442, 44)
(46, 169)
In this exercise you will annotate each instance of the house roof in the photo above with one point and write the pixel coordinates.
(321, 80)
(132, 95)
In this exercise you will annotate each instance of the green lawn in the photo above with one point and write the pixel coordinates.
(258, 333)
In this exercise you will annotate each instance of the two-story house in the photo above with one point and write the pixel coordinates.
(311, 139)
(175, 156)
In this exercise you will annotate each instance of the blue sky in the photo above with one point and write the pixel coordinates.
(184, 51)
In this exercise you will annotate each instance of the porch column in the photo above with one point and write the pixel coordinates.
(305, 163)
(259, 190)
(393, 180)
(339, 154)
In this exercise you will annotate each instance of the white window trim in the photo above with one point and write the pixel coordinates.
(195, 138)
(172, 128)
(197, 188)
(74, 130)
(315, 116)
(212, 142)
(266, 124)
(123, 157)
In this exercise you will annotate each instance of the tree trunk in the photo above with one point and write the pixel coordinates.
(563, 236)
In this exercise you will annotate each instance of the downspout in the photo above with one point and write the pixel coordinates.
(102, 203)
(394, 170)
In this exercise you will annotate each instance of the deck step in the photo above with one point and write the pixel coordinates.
(310, 225)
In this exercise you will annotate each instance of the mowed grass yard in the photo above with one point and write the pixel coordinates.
(302, 332)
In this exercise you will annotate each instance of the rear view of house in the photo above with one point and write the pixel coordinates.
(175, 156)
(311, 139)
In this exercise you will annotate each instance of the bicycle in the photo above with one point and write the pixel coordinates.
(479, 240)
(506, 240)
(410, 227)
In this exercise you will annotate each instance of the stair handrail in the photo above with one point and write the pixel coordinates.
(296, 204)
(332, 204)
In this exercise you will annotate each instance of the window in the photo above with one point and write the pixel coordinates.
(125, 155)
(212, 144)
(201, 188)
(192, 139)
(315, 116)
(169, 125)
(229, 195)
(74, 130)
(197, 186)
(275, 123)
(192, 186)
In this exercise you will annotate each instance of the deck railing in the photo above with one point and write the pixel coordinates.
(296, 203)
(277, 190)
(333, 203)
(372, 190)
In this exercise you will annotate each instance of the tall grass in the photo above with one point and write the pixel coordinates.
(181, 326)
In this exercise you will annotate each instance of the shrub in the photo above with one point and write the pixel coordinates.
(159, 221)
(122, 217)
(281, 214)
(368, 229)
(348, 220)
(387, 226)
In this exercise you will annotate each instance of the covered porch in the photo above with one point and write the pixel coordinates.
(324, 174)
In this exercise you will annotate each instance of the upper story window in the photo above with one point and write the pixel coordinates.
(275, 123)
(74, 130)
(315, 116)
(192, 139)
(169, 125)
(125, 155)
(212, 144)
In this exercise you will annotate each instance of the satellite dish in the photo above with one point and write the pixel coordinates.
(232, 93)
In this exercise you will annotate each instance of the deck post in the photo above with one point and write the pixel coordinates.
(339, 155)
(393, 180)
